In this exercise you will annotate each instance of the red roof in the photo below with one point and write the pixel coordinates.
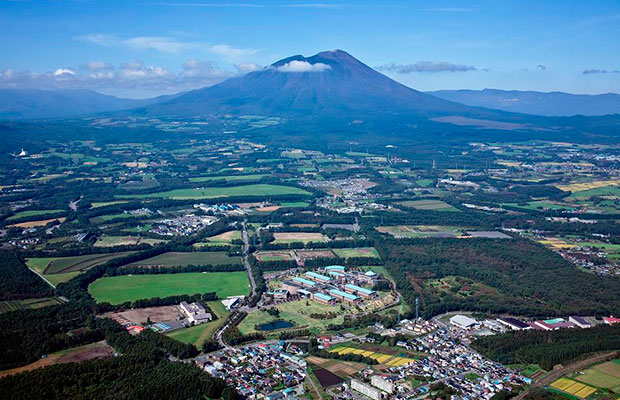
(611, 320)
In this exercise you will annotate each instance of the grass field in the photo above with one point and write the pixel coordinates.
(304, 237)
(32, 213)
(198, 334)
(229, 178)
(108, 217)
(106, 203)
(435, 205)
(604, 376)
(119, 289)
(216, 192)
(179, 259)
(357, 252)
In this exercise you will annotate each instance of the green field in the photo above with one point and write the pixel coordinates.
(105, 218)
(216, 192)
(435, 205)
(225, 238)
(48, 265)
(181, 259)
(198, 334)
(14, 305)
(421, 231)
(603, 376)
(32, 213)
(112, 241)
(106, 203)
(119, 289)
(294, 204)
(229, 178)
(357, 252)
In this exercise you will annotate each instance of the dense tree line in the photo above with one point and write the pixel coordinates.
(18, 282)
(155, 270)
(142, 372)
(203, 298)
(548, 348)
(519, 277)
(170, 345)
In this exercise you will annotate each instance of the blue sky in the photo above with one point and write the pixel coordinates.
(144, 48)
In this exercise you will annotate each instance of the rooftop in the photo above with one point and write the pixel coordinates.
(323, 296)
(359, 289)
(340, 293)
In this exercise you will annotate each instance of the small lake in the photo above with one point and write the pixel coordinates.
(272, 326)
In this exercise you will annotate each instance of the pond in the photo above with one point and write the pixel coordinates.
(278, 324)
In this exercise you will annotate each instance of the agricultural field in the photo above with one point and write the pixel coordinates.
(304, 237)
(217, 192)
(181, 259)
(109, 217)
(106, 203)
(602, 376)
(32, 213)
(113, 241)
(583, 186)
(344, 369)
(422, 231)
(225, 238)
(357, 252)
(573, 388)
(120, 289)
(38, 223)
(435, 205)
(389, 360)
(14, 305)
(229, 178)
(59, 265)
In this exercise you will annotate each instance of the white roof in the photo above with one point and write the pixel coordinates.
(463, 321)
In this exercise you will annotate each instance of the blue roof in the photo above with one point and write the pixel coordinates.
(335, 267)
(323, 296)
(303, 280)
(359, 289)
(318, 276)
(334, 273)
(344, 294)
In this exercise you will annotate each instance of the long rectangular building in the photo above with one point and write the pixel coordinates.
(323, 298)
(304, 282)
(339, 294)
(318, 277)
(359, 290)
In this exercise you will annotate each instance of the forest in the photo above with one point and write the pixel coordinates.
(18, 282)
(514, 276)
(548, 348)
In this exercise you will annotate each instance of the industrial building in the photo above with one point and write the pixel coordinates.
(463, 322)
(514, 323)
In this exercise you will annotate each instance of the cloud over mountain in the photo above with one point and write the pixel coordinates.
(426, 66)
(302, 66)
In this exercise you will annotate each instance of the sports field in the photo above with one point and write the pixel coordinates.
(119, 289)
(181, 259)
(274, 255)
(357, 252)
(304, 237)
(435, 205)
(216, 192)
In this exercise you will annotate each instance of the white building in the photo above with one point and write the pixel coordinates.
(462, 321)
(382, 383)
(195, 313)
(365, 389)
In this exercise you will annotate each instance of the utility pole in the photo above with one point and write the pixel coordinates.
(417, 308)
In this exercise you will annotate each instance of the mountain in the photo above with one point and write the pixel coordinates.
(538, 103)
(38, 103)
(328, 84)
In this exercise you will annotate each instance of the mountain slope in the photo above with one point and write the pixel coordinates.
(38, 103)
(328, 84)
(538, 103)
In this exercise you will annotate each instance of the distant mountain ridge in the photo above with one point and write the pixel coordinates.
(537, 103)
(40, 103)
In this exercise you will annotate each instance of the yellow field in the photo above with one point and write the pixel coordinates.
(574, 388)
(579, 187)
(389, 360)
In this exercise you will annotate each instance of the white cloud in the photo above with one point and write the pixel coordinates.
(127, 76)
(303, 66)
(426, 66)
(63, 71)
(165, 44)
(245, 68)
